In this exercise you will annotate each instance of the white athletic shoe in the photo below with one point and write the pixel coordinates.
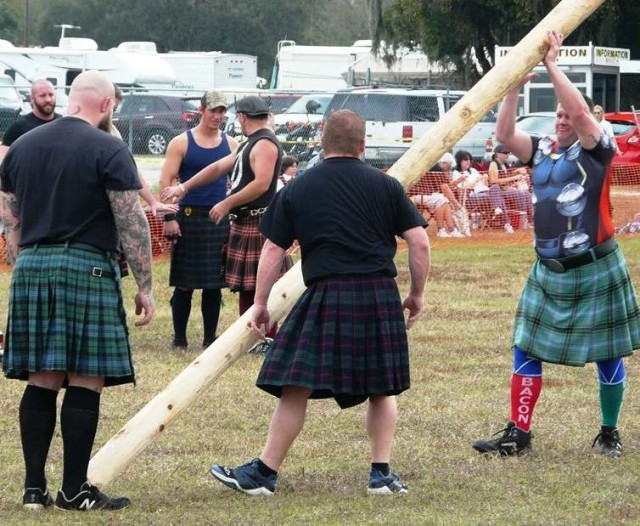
(508, 228)
(455, 233)
(443, 233)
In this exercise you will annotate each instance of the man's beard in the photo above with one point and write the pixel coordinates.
(45, 109)
(105, 124)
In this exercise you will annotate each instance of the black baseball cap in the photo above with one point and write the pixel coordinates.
(253, 106)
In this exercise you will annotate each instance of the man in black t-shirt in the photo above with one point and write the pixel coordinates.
(70, 194)
(346, 336)
(43, 102)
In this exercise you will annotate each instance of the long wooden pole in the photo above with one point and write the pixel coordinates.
(153, 419)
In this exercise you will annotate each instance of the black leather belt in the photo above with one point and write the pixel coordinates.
(594, 254)
(241, 213)
(200, 211)
(96, 272)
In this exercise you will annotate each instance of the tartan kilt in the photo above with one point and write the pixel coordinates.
(345, 337)
(243, 254)
(63, 319)
(586, 314)
(196, 258)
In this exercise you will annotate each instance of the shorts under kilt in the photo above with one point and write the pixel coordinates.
(586, 314)
(63, 319)
(196, 258)
(345, 338)
(243, 254)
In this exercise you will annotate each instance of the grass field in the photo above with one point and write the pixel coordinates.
(460, 375)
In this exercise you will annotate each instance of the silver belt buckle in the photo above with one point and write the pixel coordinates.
(96, 272)
(257, 211)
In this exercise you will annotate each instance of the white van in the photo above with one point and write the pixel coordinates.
(397, 117)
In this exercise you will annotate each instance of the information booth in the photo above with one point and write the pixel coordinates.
(594, 70)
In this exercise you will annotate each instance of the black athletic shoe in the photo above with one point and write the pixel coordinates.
(90, 498)
(36, 499)
(609, 443)
(513, 441)
(262, 347)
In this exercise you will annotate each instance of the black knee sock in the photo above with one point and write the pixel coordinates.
(210, 306)
(79, 422)
(37, 415)
(180, 311)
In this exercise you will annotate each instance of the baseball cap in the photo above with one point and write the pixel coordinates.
(214, 99)
(253, 106)
(501, 148)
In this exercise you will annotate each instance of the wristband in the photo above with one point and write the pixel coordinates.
(169, 217)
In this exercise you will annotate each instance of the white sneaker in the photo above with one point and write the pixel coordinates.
(443, 233)
(508, 228)
(455, 233)
(498, 211)
(467, 232)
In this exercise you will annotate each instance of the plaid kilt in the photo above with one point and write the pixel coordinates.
(243, 254)
(586, 314)
(63, 319)
(345, 338)
(196, 258)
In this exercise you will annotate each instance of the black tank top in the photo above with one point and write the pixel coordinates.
(242, 173)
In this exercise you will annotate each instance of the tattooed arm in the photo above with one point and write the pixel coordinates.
(12, 225)
(133, 230)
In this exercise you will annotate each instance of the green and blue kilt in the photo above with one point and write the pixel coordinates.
(196, 258)
(243, 254)
(345, 339)
(586, 314)
(61, 318)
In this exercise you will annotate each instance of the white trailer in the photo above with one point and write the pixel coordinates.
(201, 71)
(315, 68)
(63, 63)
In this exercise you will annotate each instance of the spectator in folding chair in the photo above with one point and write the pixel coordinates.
(476, 195)
(514, 184)
(438, 206)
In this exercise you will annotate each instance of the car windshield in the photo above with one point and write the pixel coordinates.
(537, 124)
(622, 127)
(300, 106)
(280, 104)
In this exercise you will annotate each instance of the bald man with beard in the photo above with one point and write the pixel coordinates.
(70, 191)
(43, 102)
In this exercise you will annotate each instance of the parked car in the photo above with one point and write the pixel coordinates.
(11, 103)
(396, 117)
(278, 102)
(147, 122)
(626, 130)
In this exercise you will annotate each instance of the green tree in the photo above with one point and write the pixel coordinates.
(8, 23)
(462, 34)
(230, 26)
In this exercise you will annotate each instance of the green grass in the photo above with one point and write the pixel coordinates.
(460, 372)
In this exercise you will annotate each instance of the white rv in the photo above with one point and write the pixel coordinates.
(61, 64)
(201, 71)
(315, 68)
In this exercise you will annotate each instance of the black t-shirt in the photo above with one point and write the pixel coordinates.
(21, 126)
(59, 174)
(345, 215)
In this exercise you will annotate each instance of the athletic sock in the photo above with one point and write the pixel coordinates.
(210, 307)
(525, 391)
(382, 467)
(180, 311)
(37, 416)
(265, 470)
(79, 422)
(611, 397)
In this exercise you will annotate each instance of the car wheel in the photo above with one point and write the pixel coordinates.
(157, 141)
